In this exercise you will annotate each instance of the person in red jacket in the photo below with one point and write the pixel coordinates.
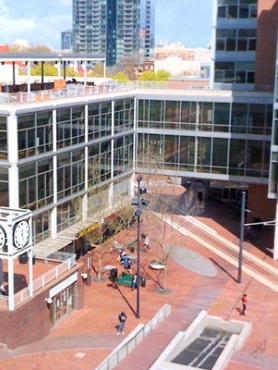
(244, 303)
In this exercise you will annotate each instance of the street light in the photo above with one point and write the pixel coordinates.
(241, 239)
(139, 203)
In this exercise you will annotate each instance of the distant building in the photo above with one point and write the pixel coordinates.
(182, 61)
(66, 40)
(242, 35)
(119, 28)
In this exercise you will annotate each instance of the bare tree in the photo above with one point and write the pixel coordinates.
(164, 202)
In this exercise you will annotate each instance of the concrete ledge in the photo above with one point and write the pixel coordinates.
(239, 330)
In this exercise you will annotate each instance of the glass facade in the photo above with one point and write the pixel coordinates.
(235, 42)
(124, 115)
(123, 155)
(205, 116)
(34, 133)
(99, 163)
(237, 9)
(70, 173)
(196, 136)
(4, 186)
(191, 151)
(236, 39)
(36, 184)
(70, 126)
(3, 138)
(99, 120)
(69, 213)
(41, 227)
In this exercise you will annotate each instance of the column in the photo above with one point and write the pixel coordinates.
(11, 283)
(13, 158)
(59, 69)
(85, 72)
(53, 216)
(85, 197)
(42, 74)
(30, 267)
(275, 245)
(28, 77)
(14, 82)
(110, 196)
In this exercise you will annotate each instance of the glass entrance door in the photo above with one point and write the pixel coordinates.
(63, 303)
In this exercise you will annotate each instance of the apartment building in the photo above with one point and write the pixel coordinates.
(119, 28)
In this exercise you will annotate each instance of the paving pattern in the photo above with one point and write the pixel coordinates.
(83, 340)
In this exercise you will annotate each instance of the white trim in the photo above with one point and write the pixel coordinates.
(63, 285)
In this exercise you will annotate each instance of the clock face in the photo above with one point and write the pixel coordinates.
(2, 237)
(21, 234)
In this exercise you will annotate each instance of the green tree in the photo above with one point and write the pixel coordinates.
(120, 77)
(49, 70)
(147, 76)
(70, 72)
(162, 75)
(159, 76)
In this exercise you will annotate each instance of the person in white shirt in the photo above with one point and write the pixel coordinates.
(147, 242)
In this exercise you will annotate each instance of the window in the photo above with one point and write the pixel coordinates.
(70, 173)
(34, 133)
(3, 139)
(36, 184)
(70, 126)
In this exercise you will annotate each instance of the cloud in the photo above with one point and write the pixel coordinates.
(38, 28)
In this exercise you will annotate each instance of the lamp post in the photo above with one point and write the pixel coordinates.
(242, 220)
(138, 213)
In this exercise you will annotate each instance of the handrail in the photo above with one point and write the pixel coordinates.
(42, 280)
(134, 338)
(72, 91)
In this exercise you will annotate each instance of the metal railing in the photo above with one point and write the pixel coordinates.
(39, 282)
(71, 91)
(133, 339)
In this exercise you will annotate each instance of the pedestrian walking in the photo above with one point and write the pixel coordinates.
(244, 303)
(147, 242)
(122, 320)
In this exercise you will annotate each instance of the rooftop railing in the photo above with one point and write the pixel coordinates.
(71, 91)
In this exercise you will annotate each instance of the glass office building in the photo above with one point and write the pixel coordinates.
(54, 160)
(235, 33)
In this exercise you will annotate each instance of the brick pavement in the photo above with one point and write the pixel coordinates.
(188, 294)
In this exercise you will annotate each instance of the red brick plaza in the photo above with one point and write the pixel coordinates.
(86, 337)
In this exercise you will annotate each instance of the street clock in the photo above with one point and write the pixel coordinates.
(21, 234)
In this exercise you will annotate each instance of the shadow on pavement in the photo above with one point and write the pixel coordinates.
(223, 269)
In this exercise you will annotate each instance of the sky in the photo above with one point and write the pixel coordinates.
(41, 21)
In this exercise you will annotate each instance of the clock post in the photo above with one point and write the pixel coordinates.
(15, 240)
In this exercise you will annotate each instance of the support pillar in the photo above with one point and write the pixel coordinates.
(275, 245)
(13, 158)
(110, 196)
(14, 81)
(11, 283)
(42, 75)
(28, 77)
(59, 69)
(85, 72)
(30, 267)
